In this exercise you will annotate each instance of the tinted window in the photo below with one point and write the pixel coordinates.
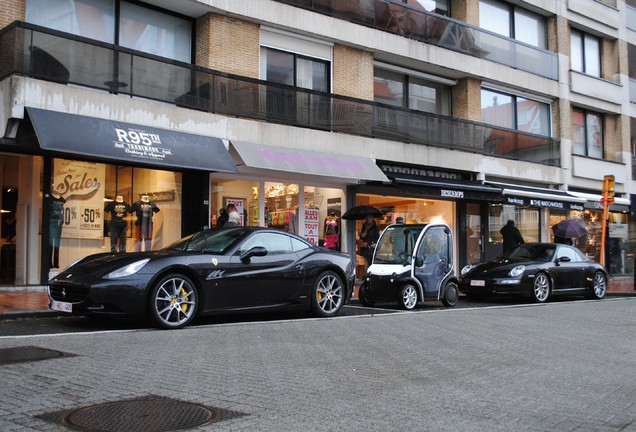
(298, 245)
(275, 244)
(535, 252)
(569, 253)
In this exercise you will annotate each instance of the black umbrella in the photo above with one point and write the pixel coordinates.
(360, 212)
(569, 228)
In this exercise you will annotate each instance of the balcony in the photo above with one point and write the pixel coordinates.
(399, 18)
(631, 17)
(59, 57)
(632, 90)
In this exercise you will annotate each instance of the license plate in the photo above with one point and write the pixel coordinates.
(61, 306)
(477, 283)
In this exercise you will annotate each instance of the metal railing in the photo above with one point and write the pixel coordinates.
(631, 17)
(399, 18)
(54, 56)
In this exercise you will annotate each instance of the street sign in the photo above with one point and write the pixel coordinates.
(608, 186)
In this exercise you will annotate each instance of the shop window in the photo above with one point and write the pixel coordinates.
(140, 28)
(587, 133)
(436, 6)
(513, 22)
(405, 91)
(311, 212)
(525, 218)
(515, 112)
(585, 53)
(95, 208)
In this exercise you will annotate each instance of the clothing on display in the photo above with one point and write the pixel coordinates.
(56, 221)
(145, 210)
(118, 225)
(332, 232)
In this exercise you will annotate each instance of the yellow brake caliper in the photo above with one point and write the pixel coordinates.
(184, 307)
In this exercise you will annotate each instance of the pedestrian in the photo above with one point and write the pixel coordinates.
(222, 219)
(368, 238)
(233, 217)
(511, 237)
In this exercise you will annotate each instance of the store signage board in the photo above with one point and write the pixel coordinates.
(81, 185)
(115, 140)
(542, 203)
(311, 225)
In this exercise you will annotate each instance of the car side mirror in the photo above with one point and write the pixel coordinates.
(563, 259)
(419, 262)
(255, 251)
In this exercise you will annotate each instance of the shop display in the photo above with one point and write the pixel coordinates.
(145, 210)
(118, 226)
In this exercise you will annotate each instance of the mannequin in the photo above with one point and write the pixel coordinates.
(332, 231)
(56, 221)
(118, 226)
(145, 210)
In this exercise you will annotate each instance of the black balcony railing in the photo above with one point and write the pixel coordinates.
(53, 56)
(400, 18)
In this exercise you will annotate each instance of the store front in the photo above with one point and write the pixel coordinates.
(298, 191)
(534, 211)
(429, 195)
(75, 185)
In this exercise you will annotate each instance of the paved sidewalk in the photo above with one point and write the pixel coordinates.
(19, 302)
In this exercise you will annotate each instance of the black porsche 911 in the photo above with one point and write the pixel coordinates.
(536, 270)
(229, 269)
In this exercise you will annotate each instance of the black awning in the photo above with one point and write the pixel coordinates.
(112, 140)
(470, 190)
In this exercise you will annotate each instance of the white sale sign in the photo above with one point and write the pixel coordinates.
(311, 225)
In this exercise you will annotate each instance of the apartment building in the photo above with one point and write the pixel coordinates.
(467, 112)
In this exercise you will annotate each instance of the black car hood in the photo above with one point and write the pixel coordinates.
(102, 264)
(498, 268)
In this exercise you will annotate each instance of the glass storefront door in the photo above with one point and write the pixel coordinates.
(473, 239)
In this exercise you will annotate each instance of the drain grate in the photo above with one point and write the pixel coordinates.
(26, 354)
(151, 414)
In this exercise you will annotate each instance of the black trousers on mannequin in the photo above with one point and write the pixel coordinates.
(55, 234)
(118, 235)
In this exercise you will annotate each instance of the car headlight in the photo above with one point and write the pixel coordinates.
(466, 269)
(127, 270)
(517, 271)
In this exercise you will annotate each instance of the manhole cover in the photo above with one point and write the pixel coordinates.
(147, 414)
(28, 354)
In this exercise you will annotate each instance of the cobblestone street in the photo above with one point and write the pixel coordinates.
(557, 367)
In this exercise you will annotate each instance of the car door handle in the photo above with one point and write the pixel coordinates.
(299, 266)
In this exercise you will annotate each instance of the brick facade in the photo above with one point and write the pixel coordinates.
(465, 10)
(11, 10)
(228, 45)
(466, 98)
(352, 72)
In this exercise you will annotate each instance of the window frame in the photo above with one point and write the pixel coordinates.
(512, 24)
(584, 113)
(583, 52)
(406, 95)
(295, 57)
(515, 109)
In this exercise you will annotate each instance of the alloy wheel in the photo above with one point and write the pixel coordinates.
(599, 285)
(329, 294)
(174, 302)
(541, 287)
(408, 297)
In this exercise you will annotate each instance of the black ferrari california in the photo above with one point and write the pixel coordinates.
(536, 270)
(234, 269)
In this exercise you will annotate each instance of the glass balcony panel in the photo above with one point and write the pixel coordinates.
(631, 17)
(632, 90)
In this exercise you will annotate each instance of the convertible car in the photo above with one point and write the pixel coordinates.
(536, 270)
(214, 270)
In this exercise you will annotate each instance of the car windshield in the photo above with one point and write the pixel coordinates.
(534, 252)
(396, 244)
(213, 242)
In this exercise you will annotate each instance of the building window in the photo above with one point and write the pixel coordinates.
(436, 6)
(585, 54)
(288, 68)
(515, 112)
(513, 22)
(406, 91)
(140, 28)
(588, 133)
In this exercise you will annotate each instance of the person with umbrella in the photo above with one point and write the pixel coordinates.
(567, 229)
(369, 236)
